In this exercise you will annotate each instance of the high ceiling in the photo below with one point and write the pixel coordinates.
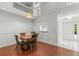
(29, 4)
(57, 6)
(46, 7)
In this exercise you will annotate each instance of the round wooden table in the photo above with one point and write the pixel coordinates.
(26, 41)
(26, 38)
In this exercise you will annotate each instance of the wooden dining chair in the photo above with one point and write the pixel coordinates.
(18, 43)
(34, 39)
(30, 46)
(24, 45)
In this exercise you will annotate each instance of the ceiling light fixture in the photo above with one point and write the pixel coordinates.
(29, 15)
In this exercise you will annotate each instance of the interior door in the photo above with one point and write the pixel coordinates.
(68, 30)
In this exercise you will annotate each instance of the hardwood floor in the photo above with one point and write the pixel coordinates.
(42, 49)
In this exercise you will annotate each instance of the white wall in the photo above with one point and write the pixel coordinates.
(50, 21)
(11, 24)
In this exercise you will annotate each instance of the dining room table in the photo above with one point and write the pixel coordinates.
(26, 38)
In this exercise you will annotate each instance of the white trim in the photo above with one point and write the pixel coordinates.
(60, 45)
(47, 42)
(7, 45)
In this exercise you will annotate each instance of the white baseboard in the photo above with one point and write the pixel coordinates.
(59, 45)
(15, 43)
(47, 42)
(7, 45)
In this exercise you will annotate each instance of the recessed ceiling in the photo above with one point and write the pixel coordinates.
(29, 4)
